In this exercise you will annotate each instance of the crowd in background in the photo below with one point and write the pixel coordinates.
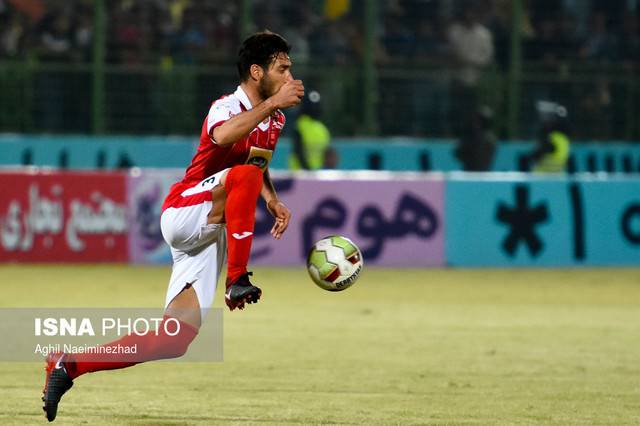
(331, 31)
(561, 38)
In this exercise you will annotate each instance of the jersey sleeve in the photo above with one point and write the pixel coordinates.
(281, 118)
(220, 111)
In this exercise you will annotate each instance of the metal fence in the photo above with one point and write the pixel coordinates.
(384, 68)
(34, 98)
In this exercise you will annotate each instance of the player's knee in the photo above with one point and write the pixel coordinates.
(175, 336)
(246, 174)
(176, 350)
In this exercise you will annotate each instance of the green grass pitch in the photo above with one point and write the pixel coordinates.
(434, 346)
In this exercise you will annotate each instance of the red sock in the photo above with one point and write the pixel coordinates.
(148, 347)
(243, 186)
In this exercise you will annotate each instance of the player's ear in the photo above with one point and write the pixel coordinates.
(256, 72)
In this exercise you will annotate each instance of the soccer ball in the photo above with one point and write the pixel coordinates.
(334, 263)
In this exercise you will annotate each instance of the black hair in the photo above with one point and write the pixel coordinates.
(261, 49)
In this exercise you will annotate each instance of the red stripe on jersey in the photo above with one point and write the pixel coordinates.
(179, 200)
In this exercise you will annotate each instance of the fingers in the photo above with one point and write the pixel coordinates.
(281, 224)
(296, 88)
(296, 83)
(282, 216)
(278, 228)
(276, 231)
(299, 88)
(289, 94)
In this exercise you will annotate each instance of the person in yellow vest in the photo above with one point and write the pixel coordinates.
(311, 137)
(552, 152)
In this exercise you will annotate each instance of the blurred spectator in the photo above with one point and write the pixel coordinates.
(429, 92)
(545, 11)
(596, 110)
(476, 148)
(334, 9)
(190, 40)
(600, 44)
(499, 23)
(552, 151)
(553, 33)
(336, 42)
(311, 137)
(299, 23)
(399, 38)
(472, 46)
(221, 32)
(83, 33)
(613, 10)
(472, 50)
(56, 43)
(629, 41)
(13, 33)
(130, 34)
(544, 46)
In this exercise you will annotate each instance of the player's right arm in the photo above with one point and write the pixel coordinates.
(239, 126)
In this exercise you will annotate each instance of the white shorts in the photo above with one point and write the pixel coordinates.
(199, 250)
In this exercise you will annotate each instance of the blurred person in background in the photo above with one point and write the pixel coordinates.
(629, 42)
(190, 40)
(471, 45)
(596, 110)
(429, 93)
(311, 137)
(55, 44)
(300, 22)
(477, 147)
(600, 44)
(553, 145)
(13, 32)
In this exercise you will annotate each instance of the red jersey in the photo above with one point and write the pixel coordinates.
(211, 158)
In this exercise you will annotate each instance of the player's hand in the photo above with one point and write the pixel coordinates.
(282, 214)
(290, 94)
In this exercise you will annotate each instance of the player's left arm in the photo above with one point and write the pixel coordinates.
(277, 208)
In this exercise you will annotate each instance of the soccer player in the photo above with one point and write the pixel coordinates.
(210, 213)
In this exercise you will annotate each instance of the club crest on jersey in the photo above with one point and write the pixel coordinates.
(259, 157)
(278, 124)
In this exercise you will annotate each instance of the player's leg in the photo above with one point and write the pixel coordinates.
(242, 186)
(170, 340)
(192, 243)
(219, 200)
(185, 307)
(196, 269)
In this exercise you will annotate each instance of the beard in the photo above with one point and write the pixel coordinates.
(267, 87)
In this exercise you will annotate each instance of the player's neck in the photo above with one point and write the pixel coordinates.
(252, 93)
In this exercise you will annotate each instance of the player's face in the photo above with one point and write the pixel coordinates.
(277, 75)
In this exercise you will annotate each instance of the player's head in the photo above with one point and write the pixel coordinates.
(264, 60)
